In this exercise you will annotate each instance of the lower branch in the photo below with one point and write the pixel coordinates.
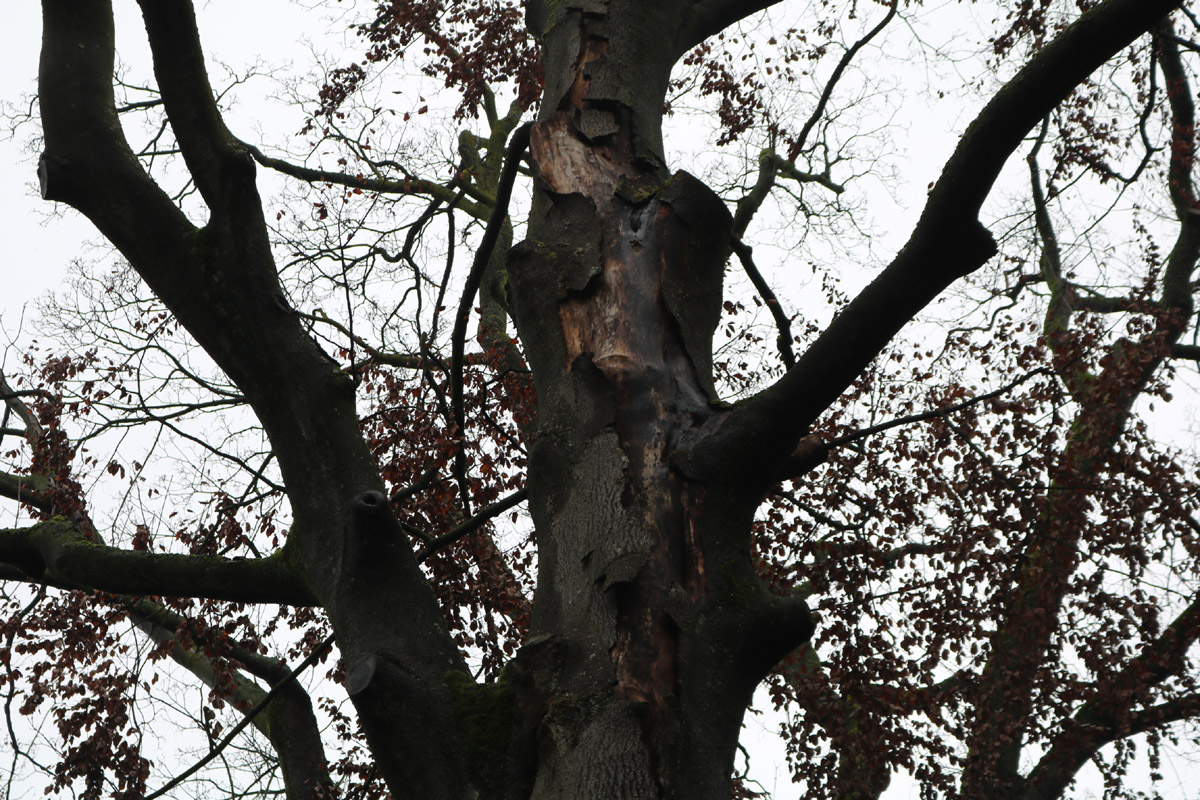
(283, 714)
(58, 553)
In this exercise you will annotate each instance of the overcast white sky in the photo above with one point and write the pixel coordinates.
(36, 251)
(31, 255)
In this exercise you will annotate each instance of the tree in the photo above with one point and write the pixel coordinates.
(679, 539)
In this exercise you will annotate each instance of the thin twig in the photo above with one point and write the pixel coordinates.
(935, 412)
(847, 57)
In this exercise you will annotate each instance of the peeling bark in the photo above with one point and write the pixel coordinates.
(645, 586)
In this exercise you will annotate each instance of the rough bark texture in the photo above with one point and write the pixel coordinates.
(645, 595)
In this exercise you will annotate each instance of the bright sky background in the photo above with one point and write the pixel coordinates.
(39, 244)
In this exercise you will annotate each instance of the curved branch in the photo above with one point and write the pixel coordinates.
(847, 57)
(14, 404)
(222, 284)
(289, 723)
(707, 18)
(407, 186)
(947, 243)
(1177, 277)
(284, 684)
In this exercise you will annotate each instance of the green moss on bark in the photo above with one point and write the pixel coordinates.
(487, 719)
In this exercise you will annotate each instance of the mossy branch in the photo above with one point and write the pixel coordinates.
(58, 553)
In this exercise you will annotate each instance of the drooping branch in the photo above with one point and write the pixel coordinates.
(284, 714)
(305, 775)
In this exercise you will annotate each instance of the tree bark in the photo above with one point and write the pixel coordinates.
(650, 628)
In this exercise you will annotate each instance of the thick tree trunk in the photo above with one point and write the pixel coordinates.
(650, 630)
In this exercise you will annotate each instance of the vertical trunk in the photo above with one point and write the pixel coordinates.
(649, 630)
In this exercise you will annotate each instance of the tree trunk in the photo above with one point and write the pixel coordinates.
(650, 630)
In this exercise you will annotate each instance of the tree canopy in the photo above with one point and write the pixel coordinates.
(463, 445)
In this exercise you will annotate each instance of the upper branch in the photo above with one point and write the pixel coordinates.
(87, 161)
(218, 162)
(1177, 277)
(815, 117)
(948, 240)
(707, 18)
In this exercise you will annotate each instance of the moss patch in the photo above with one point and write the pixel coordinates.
(486, 715)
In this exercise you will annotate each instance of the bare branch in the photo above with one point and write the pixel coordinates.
(816, 452)
(782, 323)
(948, 241)
(512, 159)
(251, 715)
(483, 515)
(815, 117)
(1190, 352)
(408, 186)
(57, 552)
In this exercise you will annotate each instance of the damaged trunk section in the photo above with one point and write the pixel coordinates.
(647, 608)
(619, 326)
